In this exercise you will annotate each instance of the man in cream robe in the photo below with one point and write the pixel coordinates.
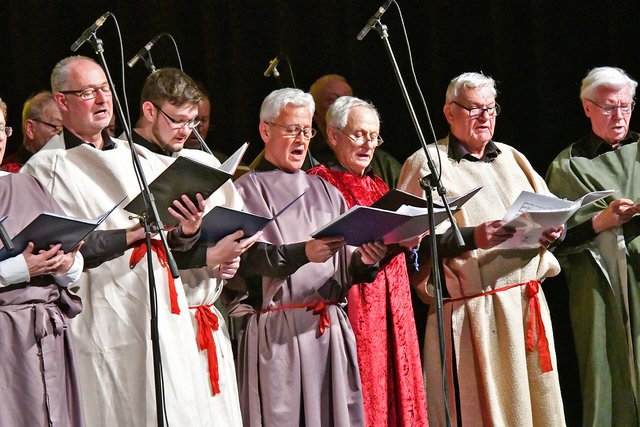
(503, 378)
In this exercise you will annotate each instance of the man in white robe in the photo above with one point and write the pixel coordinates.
(168, 113)
(87, 172)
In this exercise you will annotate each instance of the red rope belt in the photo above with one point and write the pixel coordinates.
(140, 250)
(535, 320)
(208, 322)
(319, 307)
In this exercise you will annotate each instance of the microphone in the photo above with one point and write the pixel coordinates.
(87, 33)
(145, 49)
(271, 69)
(372, 21)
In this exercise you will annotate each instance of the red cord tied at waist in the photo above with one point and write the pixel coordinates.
(318, 308)
(208, 322)
(535, 320)
(140, 250)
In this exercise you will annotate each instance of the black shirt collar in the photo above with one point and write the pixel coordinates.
(595, 146)
(457, 151)
(140, 140)
(72, 141)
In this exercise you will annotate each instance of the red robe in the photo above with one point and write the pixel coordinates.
(382, 319)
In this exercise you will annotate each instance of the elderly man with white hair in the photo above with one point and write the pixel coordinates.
(600, 255)
(380, 312)
(499, 343)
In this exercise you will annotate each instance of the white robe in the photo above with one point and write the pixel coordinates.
(112, 336)
(203, 289)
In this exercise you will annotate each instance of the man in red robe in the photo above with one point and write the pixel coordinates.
(380, 312)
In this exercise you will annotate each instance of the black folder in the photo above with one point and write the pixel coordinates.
(50, 229)
(222, 221)
(186, 176)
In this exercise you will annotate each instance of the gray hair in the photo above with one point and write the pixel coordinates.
(338, 112)
(610, 77)
(277, 100)
(473, 81)
(35, 104)
(60, 73)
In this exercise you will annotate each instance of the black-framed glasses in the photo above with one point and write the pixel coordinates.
(56, 128)
(90, 92)
(8, 130)
(361, 139)
(476, 112)
(293, 131)
(177, 124)
(608, 110)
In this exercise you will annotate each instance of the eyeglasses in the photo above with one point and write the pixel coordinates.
(177, 124)
(360, 138)
(608, 110)
(7, 129)
(476, 112)
(293, 131)
(90, 92)
(56, 128)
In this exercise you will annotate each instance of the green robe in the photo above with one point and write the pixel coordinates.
(603, 279)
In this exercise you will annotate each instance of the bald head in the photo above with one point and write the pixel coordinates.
(325, 91)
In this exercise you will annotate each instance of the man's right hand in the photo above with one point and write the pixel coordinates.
(320, 250)
(492, 233)
(230, 247)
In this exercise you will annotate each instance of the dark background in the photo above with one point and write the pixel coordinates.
(538, 51)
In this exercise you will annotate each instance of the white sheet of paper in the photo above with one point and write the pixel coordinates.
(531, 214)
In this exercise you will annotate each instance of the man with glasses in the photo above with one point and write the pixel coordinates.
(88, 172)
(169, 106)
(380, 312)
(41, 120)
(297, 355)
(500, 353)
(601, 252)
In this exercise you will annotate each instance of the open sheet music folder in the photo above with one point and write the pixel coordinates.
(395, 217)
(50, 229)
(186, 176)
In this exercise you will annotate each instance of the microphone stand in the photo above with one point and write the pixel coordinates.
(148, 220)
(428, 183)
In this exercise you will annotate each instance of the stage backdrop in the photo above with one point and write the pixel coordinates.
(537, 50)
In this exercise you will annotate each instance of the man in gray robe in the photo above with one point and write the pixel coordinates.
(38, 380)
(297, 356)
(600, 254)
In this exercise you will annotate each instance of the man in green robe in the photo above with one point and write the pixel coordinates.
(600, 254)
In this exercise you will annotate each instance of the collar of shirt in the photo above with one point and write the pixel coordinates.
(72, 141)
(595, 146)
(457, 151)
(140, 140)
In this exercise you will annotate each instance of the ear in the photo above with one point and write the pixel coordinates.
(264, 132)
(61, 101)
(332, 136)
(448, 113)
(28, 128)
(148, 110)
(587, 107)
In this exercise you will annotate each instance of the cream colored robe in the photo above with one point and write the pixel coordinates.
(112, 336)
(500, 383)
